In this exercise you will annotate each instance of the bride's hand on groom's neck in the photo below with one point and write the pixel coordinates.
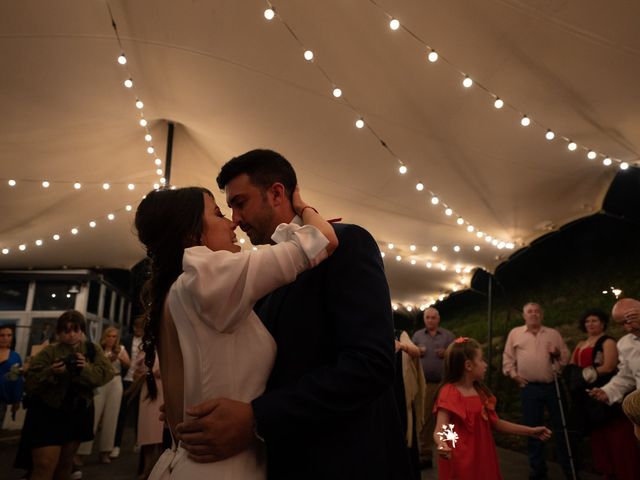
(220, 429)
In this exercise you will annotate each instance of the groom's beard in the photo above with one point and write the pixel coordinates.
(261, 226)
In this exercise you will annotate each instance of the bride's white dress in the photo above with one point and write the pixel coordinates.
(226, 350)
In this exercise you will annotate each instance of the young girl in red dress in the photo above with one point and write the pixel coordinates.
(466, 407)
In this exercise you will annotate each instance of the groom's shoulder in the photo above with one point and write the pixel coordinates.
(347, 231)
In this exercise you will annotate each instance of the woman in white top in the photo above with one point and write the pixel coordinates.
(200, 315)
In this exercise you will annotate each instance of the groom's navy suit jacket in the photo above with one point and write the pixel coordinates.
(329, 412)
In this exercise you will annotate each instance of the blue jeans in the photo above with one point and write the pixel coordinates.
(535, 398)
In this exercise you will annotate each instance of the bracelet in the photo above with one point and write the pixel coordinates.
(304, 208)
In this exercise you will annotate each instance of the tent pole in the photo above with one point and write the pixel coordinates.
(167, 162)
(490, 328)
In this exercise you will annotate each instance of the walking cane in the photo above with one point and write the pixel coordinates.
(564, 425)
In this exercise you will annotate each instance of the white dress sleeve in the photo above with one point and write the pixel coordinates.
(223, 286)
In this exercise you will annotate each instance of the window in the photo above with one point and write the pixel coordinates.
(106, 311)
(55, 296)
(13, 295)
(94, 297)
(42, 330)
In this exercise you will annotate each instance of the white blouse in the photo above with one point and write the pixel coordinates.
(226, 350)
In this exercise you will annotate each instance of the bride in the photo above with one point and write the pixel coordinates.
(200, 317)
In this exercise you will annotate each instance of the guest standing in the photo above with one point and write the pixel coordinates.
(432, 341)
(532, 356)
(11, 381)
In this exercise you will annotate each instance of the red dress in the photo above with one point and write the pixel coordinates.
(474, 456)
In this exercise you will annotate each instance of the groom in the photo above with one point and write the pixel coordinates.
(328, 411)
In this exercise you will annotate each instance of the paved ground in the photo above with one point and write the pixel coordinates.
(514, 466)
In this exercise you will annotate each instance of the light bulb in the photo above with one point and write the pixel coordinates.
(624, 166)
(45, 184)
(159, 172)
(22, 247)
(242, 240)
(390, 246)
(479, 234)
(128, 83)
(498, 103)
(139, 104)
(433, 56)
(156, 186)
(434, 248)
(395, 307)
(77, 185)
(106, 186)
(74, 231)
(443, 267)
(157, 161)
(525, 121)
(402, 169)
(606, 162)
(337, 92)
(308, 55)
(150, 150)
(460, 221)
(269, 14)
(494, 242)
(382, 254)
(5, 251)
(360, 123)
(398, 258)
(470, 228)
(458, 269)
(419, 186)
(143, 122)
(163, 180)
(122, 60)
(476, 248)
(572, 146)
(131, 186)
(128, 208)
(501, 245)
(429, 264)
(456, 248)
(412, 248)
(549, 135)
(409, 308)
(487, 238)
(92, 224)
(448, 212)
(56, 237)
(591, 155)
(12, 183)
(148, 137)
(467, 82)
(394, 24)
(435, 200)
(38, 243)
(413, 261)
(510, 245)
(111, 216)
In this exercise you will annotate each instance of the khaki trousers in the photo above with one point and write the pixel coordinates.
(425, 438)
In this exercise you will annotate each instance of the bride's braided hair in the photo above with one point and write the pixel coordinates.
(167, 221)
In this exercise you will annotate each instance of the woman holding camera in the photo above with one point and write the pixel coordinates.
(59, 385)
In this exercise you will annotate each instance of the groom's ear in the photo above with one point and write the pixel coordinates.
(278, 194)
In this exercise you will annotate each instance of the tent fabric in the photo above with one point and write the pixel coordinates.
(232, 81)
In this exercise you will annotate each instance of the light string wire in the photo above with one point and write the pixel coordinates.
(270, 13)
(500, 103)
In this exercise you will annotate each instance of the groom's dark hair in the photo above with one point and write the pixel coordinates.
(264, 168)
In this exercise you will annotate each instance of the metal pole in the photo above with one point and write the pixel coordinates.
(490, 328)
(167, 162)
(564, 426)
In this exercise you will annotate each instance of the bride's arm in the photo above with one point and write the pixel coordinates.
(310, 216)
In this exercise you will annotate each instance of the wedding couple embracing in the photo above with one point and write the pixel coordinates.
(276, 363)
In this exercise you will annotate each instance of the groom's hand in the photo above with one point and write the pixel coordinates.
(222, 428)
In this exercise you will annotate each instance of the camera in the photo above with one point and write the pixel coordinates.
(71, 362)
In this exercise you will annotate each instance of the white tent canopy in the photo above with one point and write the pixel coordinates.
(232, 81)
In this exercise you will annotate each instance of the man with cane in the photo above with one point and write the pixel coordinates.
(532, 357)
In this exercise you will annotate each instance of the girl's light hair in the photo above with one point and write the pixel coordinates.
(103, 338)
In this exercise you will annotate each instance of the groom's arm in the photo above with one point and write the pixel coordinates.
(359, 310)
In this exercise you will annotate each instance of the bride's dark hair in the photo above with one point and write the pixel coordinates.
(167, 222)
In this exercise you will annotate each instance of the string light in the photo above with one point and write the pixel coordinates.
(150, 150)
(128, 208)
(419, 186)
(572, 146)
(22, 247)
(391, 246)
(148, 137)
(77, 185)
(413, 261)
(360, 123)
(402, 169)
(456, 248)
(74, 231)
(131, 186)
(498, 103)
(460, 221)
(269, 13)
(433, 56)
(624, 166)
(448, 212)
(337, 92)
(382, 254)
(470, 228)
(157, 161)
(159, 171)
(394, 24)
(111, 216)
(308, 55)
(122, 60)
(12, 183)
(106, 186)
(143, 122)
(467, 82)
(435, 200)
(606, 162)
(128, 83)
(525, 121)
(434, 248)
(591, 155)
(38, 242)
(549, 135)
(476, 248)
(412, 248)
(398, 258)
(56, 237)
(45, 184)
(5, 251)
